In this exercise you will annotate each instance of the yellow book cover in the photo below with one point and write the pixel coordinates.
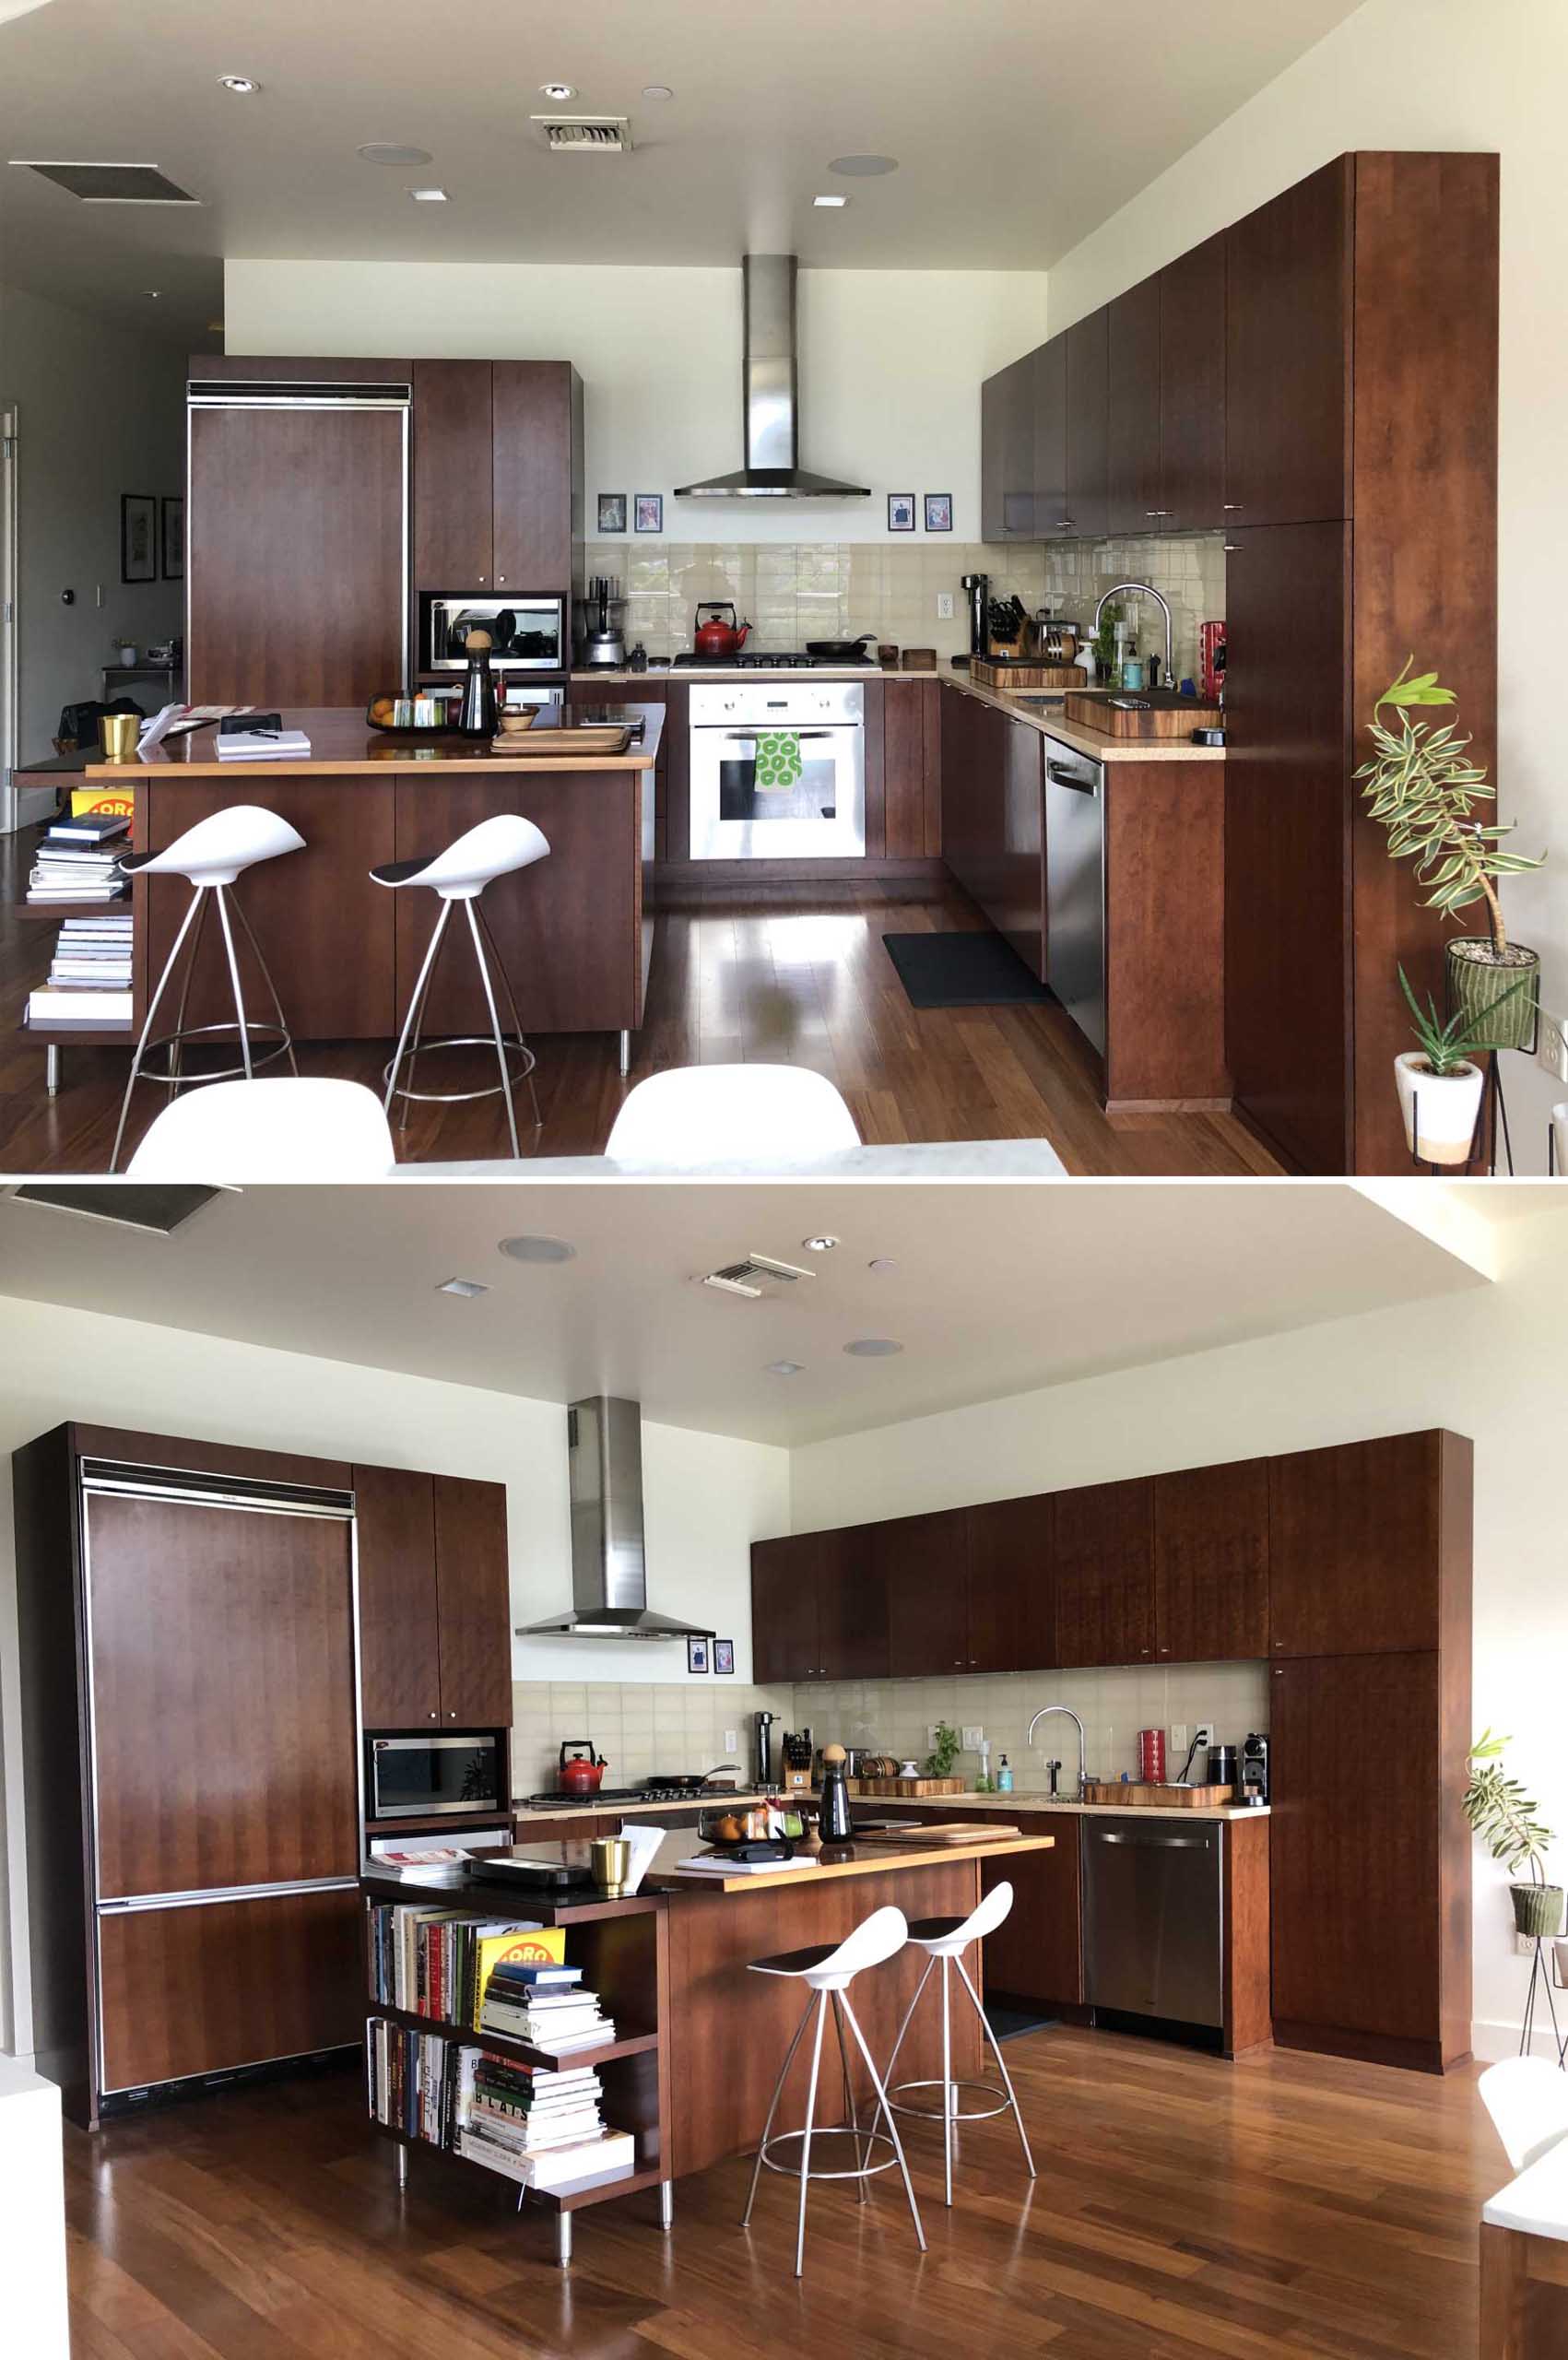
(532, 1946)
(117, 802)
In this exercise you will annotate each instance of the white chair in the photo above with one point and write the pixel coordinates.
(289, 1129)
(828, 1970)
(1528, 2100)
(944, 1941)
(702, 1114)
(211, 857)
(495, 848)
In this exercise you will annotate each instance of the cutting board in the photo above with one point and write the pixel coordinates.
(948, 1831)
(1136, 1798)
(992, 673)
(906, 1786)
(590, 737)
(1166, 714)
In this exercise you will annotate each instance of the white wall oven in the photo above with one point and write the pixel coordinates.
(778, 770)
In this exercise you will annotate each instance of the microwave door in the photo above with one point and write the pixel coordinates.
(423, 1777)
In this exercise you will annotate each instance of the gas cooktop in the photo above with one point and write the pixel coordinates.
(761, 659)
(685, 1786)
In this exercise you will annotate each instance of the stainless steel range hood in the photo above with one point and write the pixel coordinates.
(609, 1591)
(770, 402)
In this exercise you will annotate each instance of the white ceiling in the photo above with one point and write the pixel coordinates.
(997, 1288)
(1017, 130)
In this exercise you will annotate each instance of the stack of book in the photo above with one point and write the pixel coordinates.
(437, 1962)
(413, 2080)
(546, 2006)
(89, 978)
(78, 860)
(539, 2128)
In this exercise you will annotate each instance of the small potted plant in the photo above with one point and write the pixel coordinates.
(1423, 787)
(1503, 1817)
(939, 1762)
(1439, 1083)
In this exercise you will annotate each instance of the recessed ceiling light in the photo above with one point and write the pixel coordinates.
(539, 1249)
(872, 1348)
(783, 1368)
(557, 90)
(657, 91)
(823, 1245)
(241, 84)
(384, 151)
(830, 202)
(428, 196)
(864, 168)
(882, 1264)
(467, 1288)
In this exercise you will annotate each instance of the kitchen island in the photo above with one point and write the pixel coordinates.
(575, 931)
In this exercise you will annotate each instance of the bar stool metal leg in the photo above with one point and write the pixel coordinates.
(272, 988)
(862, 2156)
(908, 2020)
(806, 2139)
(495, 1027)
(177, 1045)
(1001, 2066)
(415, 1005)
(479, 909)
(773, 2109)
(884, 2108)
(949, 2093)
(234, 978)
(146, 1027)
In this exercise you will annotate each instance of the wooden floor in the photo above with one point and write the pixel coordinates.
(812, 987)
(1185, 2208)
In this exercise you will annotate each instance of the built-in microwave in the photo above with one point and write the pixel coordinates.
(419, 1777)
(527, 631)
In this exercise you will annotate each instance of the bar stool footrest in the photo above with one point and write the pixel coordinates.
(830, 2131)
(177, 1079)
(511, 1042)
(960, 2114)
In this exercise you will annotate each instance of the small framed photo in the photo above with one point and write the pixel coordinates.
(612, 512)
(650, 512)
(172, 515)
(724, 1655)
(901, 511)
(138, 537)
(939, 511)
(696, 1653)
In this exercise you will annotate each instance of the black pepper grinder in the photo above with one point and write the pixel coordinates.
(478, 716)
(832, 1817)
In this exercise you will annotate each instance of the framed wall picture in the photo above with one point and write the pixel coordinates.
(724, 1655)
(901, 511)
(138, 537)
(939, 511)
(696, 1653)
(649, 512)
(612, 512)
(172, 536)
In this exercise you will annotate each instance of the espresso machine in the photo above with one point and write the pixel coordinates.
(1254, 1769)
(764, 1750)
(977, 588)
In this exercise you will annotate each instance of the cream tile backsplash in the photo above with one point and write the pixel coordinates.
(1187, 569)
(642, 1729)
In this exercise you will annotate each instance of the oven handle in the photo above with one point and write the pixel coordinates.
(750, 737)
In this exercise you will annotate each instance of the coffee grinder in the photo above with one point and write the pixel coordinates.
(764, 1759)
(978, 586)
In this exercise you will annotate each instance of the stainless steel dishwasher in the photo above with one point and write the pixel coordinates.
(1153, 1927)
(1075, 886)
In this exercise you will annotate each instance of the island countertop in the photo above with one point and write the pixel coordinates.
(343, 743)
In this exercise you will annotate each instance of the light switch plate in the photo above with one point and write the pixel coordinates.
(730, 1746)
(1178, 1737)
(973, 1737)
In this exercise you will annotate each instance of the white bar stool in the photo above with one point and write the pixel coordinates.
(705, 1114)
(829, 1970)
(944, 1941)
(210, 856)
(495, 848)
(288, 1127)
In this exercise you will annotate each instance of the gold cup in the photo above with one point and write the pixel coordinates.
(117, 734)
(610, 1859)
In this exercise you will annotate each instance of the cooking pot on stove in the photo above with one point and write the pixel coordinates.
(717, 637)
(582, 1770)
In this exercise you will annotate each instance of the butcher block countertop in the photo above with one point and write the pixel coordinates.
(1033, 1805)
(1098, 744)
(343, 744)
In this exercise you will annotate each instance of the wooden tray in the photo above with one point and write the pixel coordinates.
(1169, 716)
(905, 1786)
(992, 672)
(1136, 1798)
(948, 1831)
(591, 738)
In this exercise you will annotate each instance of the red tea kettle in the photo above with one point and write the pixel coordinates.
(580, 1774)
(716, 638)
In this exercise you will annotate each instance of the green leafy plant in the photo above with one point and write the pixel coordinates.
(939, 1762)
(1448, 1048)
(1502, 1814)
(1423, 788)
(1105, 640)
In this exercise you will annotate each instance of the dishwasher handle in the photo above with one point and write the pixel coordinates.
(1060, 775)
(1164, 1843)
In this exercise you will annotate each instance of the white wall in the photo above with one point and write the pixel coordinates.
(706, 1497)
(891, 364)
(100, 412)
(1432, 74)
(1484, 1364)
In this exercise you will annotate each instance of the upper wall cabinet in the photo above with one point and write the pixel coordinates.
(1289, 352)
(1102, 1572)
(435, 1618)
(1133, 402)
(818, 1607)
(1088, 410)
(1211, 1563)
(1050, 515)
(921, 1563)
(1011, 1601)
(1366, 1542)
(784, 1608)
(454, 500)
(498, 476)
(1192, 391)
(1007, 454)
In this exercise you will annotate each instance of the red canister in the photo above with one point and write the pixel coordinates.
(1152, 1757)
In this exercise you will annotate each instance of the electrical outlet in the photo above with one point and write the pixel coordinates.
(1551, 1045)
(973, 1737)
(1178, 1737)
(944, 606)
(931, 1737)
(730, 1745)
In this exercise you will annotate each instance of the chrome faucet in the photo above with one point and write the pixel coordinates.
(1082, 1748)
(1144, 590)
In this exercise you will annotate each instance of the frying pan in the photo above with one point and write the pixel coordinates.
(840, 651)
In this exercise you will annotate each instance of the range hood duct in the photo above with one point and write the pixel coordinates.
(771, 398)
(610, 1589)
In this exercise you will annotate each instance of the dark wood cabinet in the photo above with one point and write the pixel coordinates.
(1036, 1954)
(454, 500)
(921, 1564)
(911, 769)
(1211, 1563)
(1192, 391)
(1088, 415)
(1289, 354)
(1052, 516)
(1133, 406)
(783, 1609)
(1011, 1614)
(1368, 1544)
(474, 1598)
(1006, 443)
(538, 476)
(435, 1609)
(818, 1608)
(993, 836)
(1102, 1572)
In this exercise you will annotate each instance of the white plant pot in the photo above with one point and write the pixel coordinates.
(1446, 1105)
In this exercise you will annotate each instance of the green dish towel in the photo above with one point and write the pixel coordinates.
(778, 758)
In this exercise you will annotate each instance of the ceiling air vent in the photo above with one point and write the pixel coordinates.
(757, 1275)
(586, 135)
(160, 1208)
(112, 183)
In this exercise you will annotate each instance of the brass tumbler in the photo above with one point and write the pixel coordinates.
(611, 1856)
(117, 734)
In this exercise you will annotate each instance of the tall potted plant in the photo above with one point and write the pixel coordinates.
(1504, 1818)
(1423, 788)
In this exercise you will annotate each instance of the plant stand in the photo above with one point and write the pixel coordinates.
(1492, 1123)
(1541, 1978)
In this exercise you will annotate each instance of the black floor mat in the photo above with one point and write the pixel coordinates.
(1007, 2018)
(978, 970)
